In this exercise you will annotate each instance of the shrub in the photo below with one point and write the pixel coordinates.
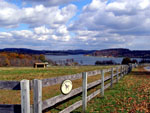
(109, 62)
(134, 61)
(126, 61)
(144, 61)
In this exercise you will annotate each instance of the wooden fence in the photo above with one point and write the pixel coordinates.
(25, 85)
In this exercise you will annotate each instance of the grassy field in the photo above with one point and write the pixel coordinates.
(130, 95)
(13, 97)
(19, 73)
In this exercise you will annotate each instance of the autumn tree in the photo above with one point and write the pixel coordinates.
(42, 58)
(16, 59)
(21, 56)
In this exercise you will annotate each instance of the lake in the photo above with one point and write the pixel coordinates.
(85, 60)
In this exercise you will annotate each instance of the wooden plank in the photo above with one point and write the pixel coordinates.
(127, 69)
(121, 71)
(10, 108)
(79, 103)
(124, 71)
(37, 96)
(112, 74)
(93, 95)
(72, 107)
(58, 80)
(96, 72)
(25, 96)
(92, 73)
(107, 70)
(117, 72)
(11, 85)
(102, 83)
(53, 101)
(57, 99)
(84, 92)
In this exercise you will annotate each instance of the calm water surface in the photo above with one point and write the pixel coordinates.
(86, 60)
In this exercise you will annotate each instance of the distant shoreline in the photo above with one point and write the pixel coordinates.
(147, 68)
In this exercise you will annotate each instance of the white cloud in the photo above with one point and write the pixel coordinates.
(116, 24)
(53, 16)
(120, 23)
(27, 37)
(13, 16)
(22, 34)
(49, 2)
(144, 4)
(48, 25)
(5, 35)
(42, 30)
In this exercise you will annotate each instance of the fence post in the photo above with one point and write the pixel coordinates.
(130, 68)
(102, 83)
(84, 91)
(127, 69)
(25, 96)
(117, 71)
(124, 70)
(112, 73)
(37, 96)
(121, 71)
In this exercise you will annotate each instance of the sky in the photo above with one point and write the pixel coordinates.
(75, 24)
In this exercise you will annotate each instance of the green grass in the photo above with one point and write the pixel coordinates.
(15, 73)
(10, 73)
(130, 95)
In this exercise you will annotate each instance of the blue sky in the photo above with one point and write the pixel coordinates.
(75, 24)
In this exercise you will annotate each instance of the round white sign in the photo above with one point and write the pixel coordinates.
(66, 87)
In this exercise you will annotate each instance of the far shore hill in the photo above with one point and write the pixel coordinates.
(116, 52)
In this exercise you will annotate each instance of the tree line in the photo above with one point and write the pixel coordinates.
(125, 60)
(19, 60)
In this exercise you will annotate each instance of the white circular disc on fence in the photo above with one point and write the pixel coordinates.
(66, 87)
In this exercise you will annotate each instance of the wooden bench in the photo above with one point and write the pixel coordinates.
(40, 65)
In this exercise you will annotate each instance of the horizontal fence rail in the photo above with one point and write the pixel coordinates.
(25, 86)
(57, 99)
(10, 108)
(11, 85)
(60, 98)
(58, 80)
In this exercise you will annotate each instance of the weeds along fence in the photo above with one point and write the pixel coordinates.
(38, 106)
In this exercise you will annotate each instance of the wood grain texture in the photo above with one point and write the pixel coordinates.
(10, 108)
(79, 103)
(37, 96)
(52, 101)
(84, 92)
(25, 96)
(102, 83)
(58, 80)
(10, 85)
(112, 75)
(72, 107)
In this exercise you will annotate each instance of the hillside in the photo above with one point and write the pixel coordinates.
(120, 52)
(117, 52)
(49, 52)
